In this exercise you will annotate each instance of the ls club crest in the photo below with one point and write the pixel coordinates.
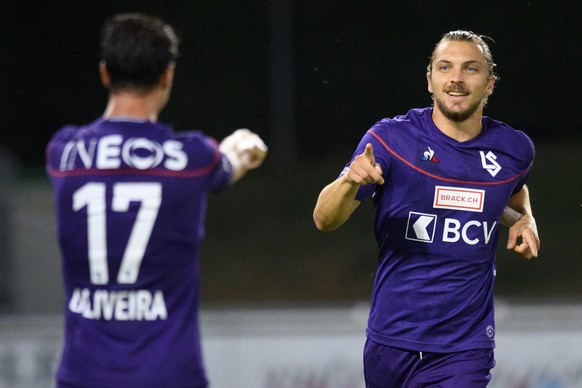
(489, 162)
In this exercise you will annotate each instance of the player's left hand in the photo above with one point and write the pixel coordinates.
(523, 238)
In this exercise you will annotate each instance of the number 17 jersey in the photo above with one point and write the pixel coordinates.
(131, 203)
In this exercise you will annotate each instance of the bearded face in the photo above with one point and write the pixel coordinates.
(458, 112)
(459, 80)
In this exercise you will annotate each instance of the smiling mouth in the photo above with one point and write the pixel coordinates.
(457, 94)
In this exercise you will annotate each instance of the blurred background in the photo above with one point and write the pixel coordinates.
(310, 77)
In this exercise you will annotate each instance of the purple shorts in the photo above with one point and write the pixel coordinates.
(386, 367)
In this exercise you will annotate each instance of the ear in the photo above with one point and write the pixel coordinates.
(491, 86)
(167, 78)
(104, 74)
(429, 84)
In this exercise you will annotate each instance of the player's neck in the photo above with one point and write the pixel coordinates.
(127, 104)
(459, 130)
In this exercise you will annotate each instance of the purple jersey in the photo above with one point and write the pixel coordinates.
(437, 222)
(131, 203)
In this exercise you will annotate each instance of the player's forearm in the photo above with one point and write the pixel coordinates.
(520, 202)
(238, 170)
(518, 206)
(510, 217)
(335, 204)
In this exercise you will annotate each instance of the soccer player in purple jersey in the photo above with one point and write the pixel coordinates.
(442, 180)
(131, 199)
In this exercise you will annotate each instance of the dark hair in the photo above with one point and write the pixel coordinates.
(468, 36)
(137, 49)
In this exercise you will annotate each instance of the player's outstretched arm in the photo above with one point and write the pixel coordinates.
(245, 151)
(337, 202)
(523, 236)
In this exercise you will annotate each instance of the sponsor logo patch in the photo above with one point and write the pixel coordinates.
(421, 227)
(456, 198)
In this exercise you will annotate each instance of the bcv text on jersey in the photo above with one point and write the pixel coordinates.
(422, 227)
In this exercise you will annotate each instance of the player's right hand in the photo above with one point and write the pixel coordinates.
(244, 148)
(364, 169)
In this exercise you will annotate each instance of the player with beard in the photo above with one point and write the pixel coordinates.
(442, 179)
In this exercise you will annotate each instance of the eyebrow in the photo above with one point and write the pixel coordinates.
(472, 61)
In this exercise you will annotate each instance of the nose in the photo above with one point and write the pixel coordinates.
(456, 75)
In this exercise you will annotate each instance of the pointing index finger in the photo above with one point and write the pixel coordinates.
(369, 153)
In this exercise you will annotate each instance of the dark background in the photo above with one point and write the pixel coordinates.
(311, 77)
(351, 63)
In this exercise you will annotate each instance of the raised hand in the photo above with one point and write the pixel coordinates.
(364, 169)
(245, 150)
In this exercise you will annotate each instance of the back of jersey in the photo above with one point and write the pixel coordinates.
(131, 202)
